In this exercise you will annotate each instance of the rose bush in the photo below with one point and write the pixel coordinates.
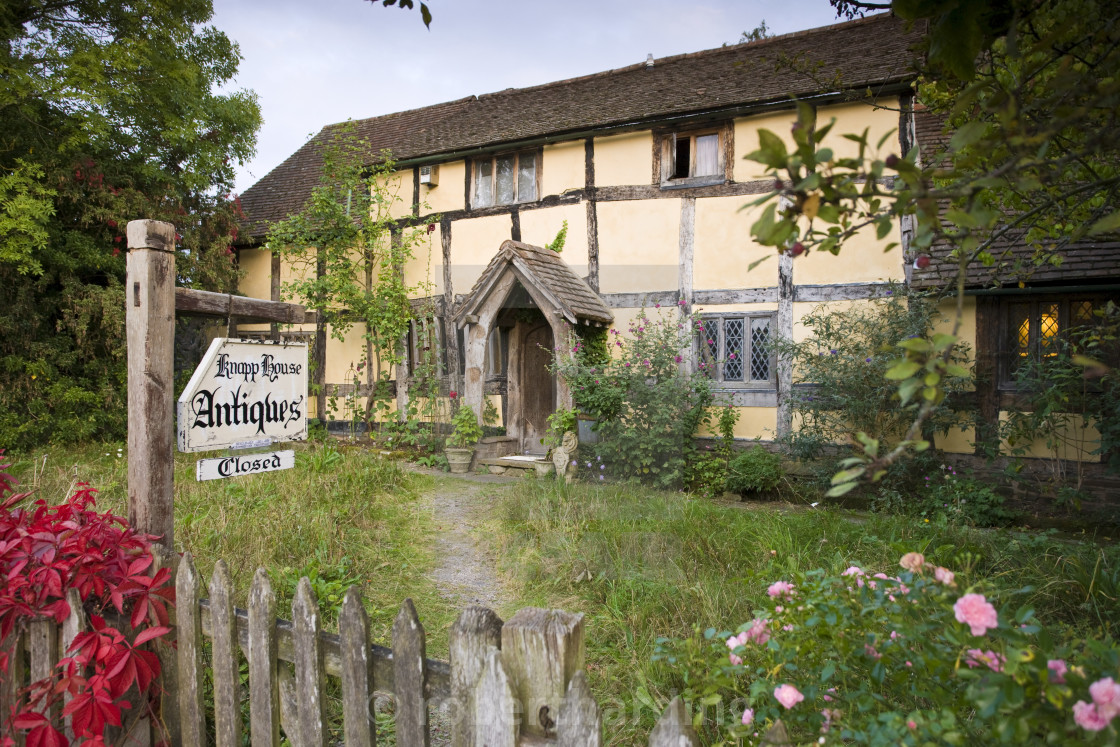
(913, 658)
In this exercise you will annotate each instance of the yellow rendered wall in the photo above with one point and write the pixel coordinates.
(754, 423)
(256, 273)
(1075, 441)
(967, 333)
(539, 227)
(850, 118)
(562, 168)
(723, 249)
(638, 245)
(448, 194)
(802, 332)
(474, 242)
(956, 441)
(624, 159)
(398, 186)
(424, 272)
(861, 259)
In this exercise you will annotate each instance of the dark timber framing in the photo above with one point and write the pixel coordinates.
(592, 213)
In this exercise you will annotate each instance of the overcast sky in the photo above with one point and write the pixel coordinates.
(316, 62)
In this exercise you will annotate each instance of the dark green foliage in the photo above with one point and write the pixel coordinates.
(466, 431)
(756, 471)
(108, 114)
(840, 386)
(648, 411)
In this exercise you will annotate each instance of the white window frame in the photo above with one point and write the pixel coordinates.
(478, 200)
(716, 366)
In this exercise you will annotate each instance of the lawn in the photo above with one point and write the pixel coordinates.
(342, 516)
(642, 564)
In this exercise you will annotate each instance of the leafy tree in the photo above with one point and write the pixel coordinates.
(1029, 91)
(349, 252)
(108, 113)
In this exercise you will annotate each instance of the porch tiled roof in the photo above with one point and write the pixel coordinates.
(545, 270)
(867, 53)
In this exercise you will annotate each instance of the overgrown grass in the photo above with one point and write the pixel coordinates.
(341, 516)
(642, 564)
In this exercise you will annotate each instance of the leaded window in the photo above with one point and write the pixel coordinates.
(735, 349)
(505, 179)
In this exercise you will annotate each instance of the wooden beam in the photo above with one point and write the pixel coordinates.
(192, 302)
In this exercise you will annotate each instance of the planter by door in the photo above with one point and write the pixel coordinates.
(459, 459)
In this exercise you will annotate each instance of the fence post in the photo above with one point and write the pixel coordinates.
(74, 623)
(357, 711)
(264, 696)
(189, 621)
(542, 650)
(227, 677)
(42, 643)
(168, 660)
(674, 728)
(496, 711)
(12, 682)
(476, 630)
(150, 325)
(408, 677)
(309, 666)
(580, 723)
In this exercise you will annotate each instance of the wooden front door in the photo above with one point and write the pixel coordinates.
(538, 388)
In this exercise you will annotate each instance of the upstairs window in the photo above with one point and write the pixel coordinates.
(505, 179)
(735, 349)
(693, 158)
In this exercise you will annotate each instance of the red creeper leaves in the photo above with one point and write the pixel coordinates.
(47, 550)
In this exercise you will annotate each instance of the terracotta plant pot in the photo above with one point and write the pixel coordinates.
(459, 459)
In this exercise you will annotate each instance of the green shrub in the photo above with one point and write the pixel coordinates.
(648, 410)
(840, 386)
(466, 430)
(755, 471)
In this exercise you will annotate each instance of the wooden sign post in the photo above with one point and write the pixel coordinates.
(150, 323)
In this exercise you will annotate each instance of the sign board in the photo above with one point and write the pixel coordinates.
(245, 391)
(249, 464)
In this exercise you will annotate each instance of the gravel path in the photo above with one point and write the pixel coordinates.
(466, 573)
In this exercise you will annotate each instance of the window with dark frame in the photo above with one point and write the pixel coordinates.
(735, 349)
(505, 179)
(1035, 328)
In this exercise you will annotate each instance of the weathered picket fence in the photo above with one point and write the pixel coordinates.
(518, 682)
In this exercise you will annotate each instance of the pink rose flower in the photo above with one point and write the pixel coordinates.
(1088, 717)
(911, 725)
(780, 589)
(1106, 697)
(748, 717)
(788, 695)
(759, 632)
(974, 611)
(943, 576)
(853, 570)
(974, 657)
(913, 562)
(1058, 670)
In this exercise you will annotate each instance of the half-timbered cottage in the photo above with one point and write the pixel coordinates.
(646, 166)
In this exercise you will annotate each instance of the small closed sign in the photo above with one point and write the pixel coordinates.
(244, 391)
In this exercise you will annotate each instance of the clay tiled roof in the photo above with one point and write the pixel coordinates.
(872, 52)
(546, 271)
(1085, 261)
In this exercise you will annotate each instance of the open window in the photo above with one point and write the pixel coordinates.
(506, 179)
(693, 158)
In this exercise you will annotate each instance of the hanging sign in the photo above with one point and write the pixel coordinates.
(248, 464)
(245, 393)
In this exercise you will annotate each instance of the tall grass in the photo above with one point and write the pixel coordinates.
(642, 564)
(341, 516)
